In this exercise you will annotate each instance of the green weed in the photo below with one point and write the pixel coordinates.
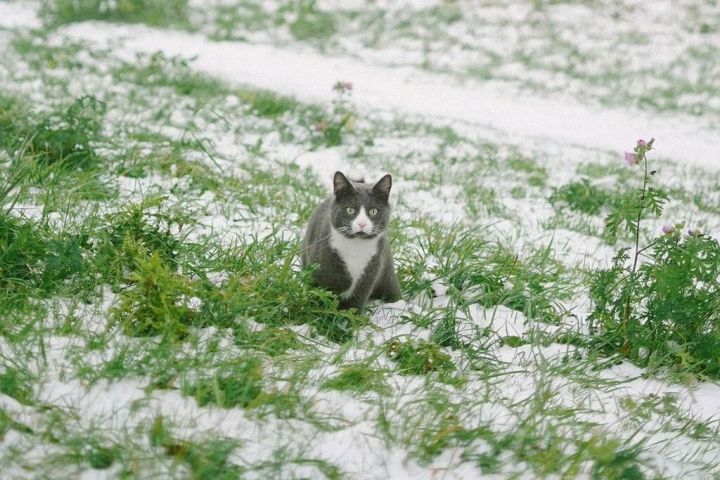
(418, 358)
(235, 383)
(358, 378)
(135, 232)
(155, 302)
(311, 23)
(663, 311)
(207, 459)
(16, 383)
(582, 196)
(156, 12)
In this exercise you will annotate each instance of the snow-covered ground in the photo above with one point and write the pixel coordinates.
(310, 76)
(465, 156)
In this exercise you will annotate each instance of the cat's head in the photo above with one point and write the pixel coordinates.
(360, 210)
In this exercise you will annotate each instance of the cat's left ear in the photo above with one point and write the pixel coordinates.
(383, 186)
(341, 185)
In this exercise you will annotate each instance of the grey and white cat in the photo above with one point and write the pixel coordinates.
(347, 237)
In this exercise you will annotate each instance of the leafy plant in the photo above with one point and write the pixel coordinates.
(156, 300)
(35, 259)
(664, 310)
(141, 229)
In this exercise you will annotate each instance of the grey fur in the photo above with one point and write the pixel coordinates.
(378, 280)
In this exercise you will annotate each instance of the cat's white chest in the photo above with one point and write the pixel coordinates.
(355, 253)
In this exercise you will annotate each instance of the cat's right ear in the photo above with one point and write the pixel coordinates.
(341, 185)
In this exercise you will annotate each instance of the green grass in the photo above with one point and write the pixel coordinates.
(358, 378)
(235, 384)
(158, 265)
(161, 12)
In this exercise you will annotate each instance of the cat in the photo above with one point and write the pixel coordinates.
(347, 237)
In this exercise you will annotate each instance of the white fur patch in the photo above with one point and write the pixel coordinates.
(355, 253)
(362, 218)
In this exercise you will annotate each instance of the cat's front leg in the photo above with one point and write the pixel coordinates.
(359, 296)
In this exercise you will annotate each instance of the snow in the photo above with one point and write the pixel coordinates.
(355, 445)
(309, 77)
(17, 15)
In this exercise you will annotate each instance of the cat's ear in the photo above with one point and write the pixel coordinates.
(382, 187)
(341, 185)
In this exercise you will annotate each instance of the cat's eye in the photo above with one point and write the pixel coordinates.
(350, 211)
(373, 212)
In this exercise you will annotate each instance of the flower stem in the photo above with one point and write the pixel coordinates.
(638, 251)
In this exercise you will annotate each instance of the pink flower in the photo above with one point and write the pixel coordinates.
(667, 229)
(631, 159)
(641, 143)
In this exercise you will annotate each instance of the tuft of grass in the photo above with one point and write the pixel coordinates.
(235, 383)
(159, 70)
(311, 23)
(7, 423)
(418, 358)
(272, 340)
(358, 378)
(536, 174)
(136, 231)
(267, 104)
(35, 261)
(208, 459)
(479, 271)
(266, 288)
(155, 302)
(66, 138)
(16, 383)
(152, 12)
(582, 196)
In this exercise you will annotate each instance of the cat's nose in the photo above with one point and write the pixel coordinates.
(362, 225)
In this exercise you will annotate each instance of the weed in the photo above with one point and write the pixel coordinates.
(136, 231)
(582, 196)
(15, 383)
(418, 358)
(663, 311)
(235, 383)
(156, 302)
(310, 22)
(265, 288)
(65, 138)
(329, 129)
(208, 459)
(156, 12)
(359, 378)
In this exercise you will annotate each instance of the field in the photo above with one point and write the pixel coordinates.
(556, 209)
